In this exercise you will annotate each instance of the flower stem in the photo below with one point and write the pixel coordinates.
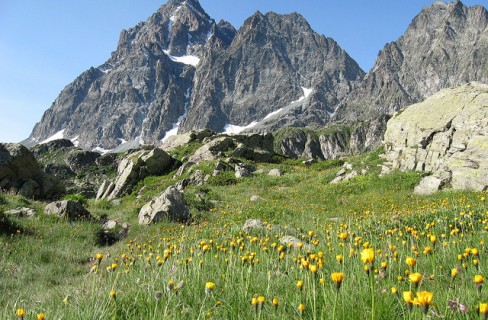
(372, 294)
(335, 305)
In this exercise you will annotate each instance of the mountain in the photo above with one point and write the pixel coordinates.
(180, 66)
(180, 71)
(145, 86)
(273, 60)
(446, 45)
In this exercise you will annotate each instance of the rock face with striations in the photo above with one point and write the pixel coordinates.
(272, 61)
(169, 205)
(446, 45)
(446, 135)
(133, 168)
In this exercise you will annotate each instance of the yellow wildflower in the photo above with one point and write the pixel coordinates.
(367, 255)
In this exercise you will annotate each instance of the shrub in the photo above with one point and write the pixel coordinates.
(223, 179)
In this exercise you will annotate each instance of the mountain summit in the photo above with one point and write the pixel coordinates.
(446, 45)
(180, 70)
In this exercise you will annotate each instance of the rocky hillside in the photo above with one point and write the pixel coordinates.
(180, 70)
(444, 136)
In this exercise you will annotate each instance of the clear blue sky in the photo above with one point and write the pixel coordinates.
(44, 45)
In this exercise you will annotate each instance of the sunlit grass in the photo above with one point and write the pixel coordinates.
(363, 243)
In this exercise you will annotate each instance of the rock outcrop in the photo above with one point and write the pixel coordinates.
(333, 142)
(133, 168)
(81, 171)
(446, 136)
(256, 147)
(21, 173)
(169, 205)
(68, 209)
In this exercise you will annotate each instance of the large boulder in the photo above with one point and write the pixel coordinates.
(446, 136)
(69, 209)
(137, 166)
(212, 149)
(21, 173)
(169, 205)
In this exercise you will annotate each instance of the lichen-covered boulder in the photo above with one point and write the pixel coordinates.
(446, 136)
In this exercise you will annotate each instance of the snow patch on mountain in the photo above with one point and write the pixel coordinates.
(234, 129)
(58, 135)
(188, 59)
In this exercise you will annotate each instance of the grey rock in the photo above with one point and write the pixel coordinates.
(30, 189)
(79, 160)
(275, 173)
(294, 243)
(338, 141)
(20, 172)
(198, 178)
(212, 149)
(179, 140)
(110, 225)
(105, 189)
(255, 198)
(444, 136)
(183, 168)
(138, 165)
(347, 166)
(244, 170)
(428, 185)
(69, 209)
(169, 205)
(22, 212)
(253, 225)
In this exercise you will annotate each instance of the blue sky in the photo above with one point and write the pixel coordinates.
(45, 45)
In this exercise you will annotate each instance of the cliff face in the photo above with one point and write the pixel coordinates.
(446, 45)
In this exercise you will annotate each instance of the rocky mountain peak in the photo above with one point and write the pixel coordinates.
(446, 45)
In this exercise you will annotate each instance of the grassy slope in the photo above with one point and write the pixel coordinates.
(48, 259)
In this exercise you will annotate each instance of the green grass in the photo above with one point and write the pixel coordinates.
(49, 259)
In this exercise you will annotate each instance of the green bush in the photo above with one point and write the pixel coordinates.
(223, 179)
